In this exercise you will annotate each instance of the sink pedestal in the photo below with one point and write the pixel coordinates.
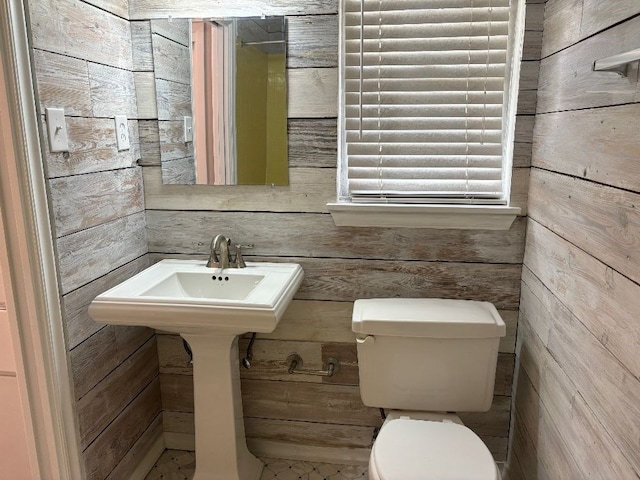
(221, 447)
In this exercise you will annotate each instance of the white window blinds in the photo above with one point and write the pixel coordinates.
(423, 86)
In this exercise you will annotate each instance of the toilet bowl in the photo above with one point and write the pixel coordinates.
(418, 357)
(424, 446)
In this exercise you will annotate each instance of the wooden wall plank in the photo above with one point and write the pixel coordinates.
(598, 145)
(131, 461)
(584, 435)
(113, 91)
(176, 29)
(567, 81)
(316, 235)
(310, 320)
(75, 28)
(588, 285)
(103, 403)
(78, 325)
(92, 148)
(146, 98)
(117, 7)
(172, 60)
(309, 190)
(312, 92)
(597, 16)
(173, 100)
(172, 144)
(179, 172)
(91, 253)
(313, 142)
(308, 433)
(142, 50)
(149, 143)
(348, 280)
(112, 445)
(561, 25)
(143, 9)
(84, 201)
(62, 82)
(312, 41)
(582, 213)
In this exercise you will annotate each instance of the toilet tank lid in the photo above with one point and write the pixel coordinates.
(427, 317)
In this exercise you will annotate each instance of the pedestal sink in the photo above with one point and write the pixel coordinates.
(209, 308)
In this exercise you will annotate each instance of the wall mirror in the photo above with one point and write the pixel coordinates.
(224, 122)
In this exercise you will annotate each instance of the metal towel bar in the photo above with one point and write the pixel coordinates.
(617, 63)
(295, 363)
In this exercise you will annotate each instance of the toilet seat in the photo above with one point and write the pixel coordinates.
(409, 449)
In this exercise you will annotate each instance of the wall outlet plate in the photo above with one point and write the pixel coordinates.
(122, 132)
(188, 129)
(57, 130)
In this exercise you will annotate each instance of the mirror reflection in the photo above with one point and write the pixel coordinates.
(232, 129)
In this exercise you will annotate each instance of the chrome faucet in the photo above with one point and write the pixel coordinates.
(219, 243)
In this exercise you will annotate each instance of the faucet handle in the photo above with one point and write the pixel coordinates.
(239, 259)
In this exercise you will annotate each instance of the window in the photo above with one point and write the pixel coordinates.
(426, 114)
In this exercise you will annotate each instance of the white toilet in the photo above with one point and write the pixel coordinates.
(422, 358)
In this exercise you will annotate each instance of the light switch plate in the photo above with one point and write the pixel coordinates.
(122, 133)
(188, 129)
(57, 130)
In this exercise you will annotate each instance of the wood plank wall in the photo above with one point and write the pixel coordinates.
(577, 393)
(83, 63)
(341, 264)
(162, 70)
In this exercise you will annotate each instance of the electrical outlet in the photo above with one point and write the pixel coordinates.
(188, 129)
(57, 130)
(122, 132)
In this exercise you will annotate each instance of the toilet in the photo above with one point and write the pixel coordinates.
(422, 360)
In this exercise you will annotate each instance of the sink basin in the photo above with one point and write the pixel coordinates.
(209, 308)
(184, 296)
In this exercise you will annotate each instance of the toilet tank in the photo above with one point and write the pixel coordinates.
(427, 354)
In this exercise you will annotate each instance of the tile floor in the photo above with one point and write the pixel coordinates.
(180, 465)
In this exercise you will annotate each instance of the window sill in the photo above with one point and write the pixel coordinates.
(467, 217)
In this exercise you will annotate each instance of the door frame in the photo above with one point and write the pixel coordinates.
(31, 283)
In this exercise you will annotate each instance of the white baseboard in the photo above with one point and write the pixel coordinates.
(289, 451)
(149, 459)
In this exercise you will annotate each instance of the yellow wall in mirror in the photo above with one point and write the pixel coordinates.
(277, 168)
(251, 115)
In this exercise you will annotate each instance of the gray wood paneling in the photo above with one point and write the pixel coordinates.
(315, 235)
(89, 254)
(143, 9)
(313, 142)
(83, 201)
(176, 29)
(142, 50)
(113, 444)
(172, 60)
(607, 134)
(173, 99)
(581, 212)
(62, 82)
(92, 143)
(567, 81)
(80, 30)
(78, 324)
(576, 393)
(312, 41)
(113, 91)
(103, 403)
